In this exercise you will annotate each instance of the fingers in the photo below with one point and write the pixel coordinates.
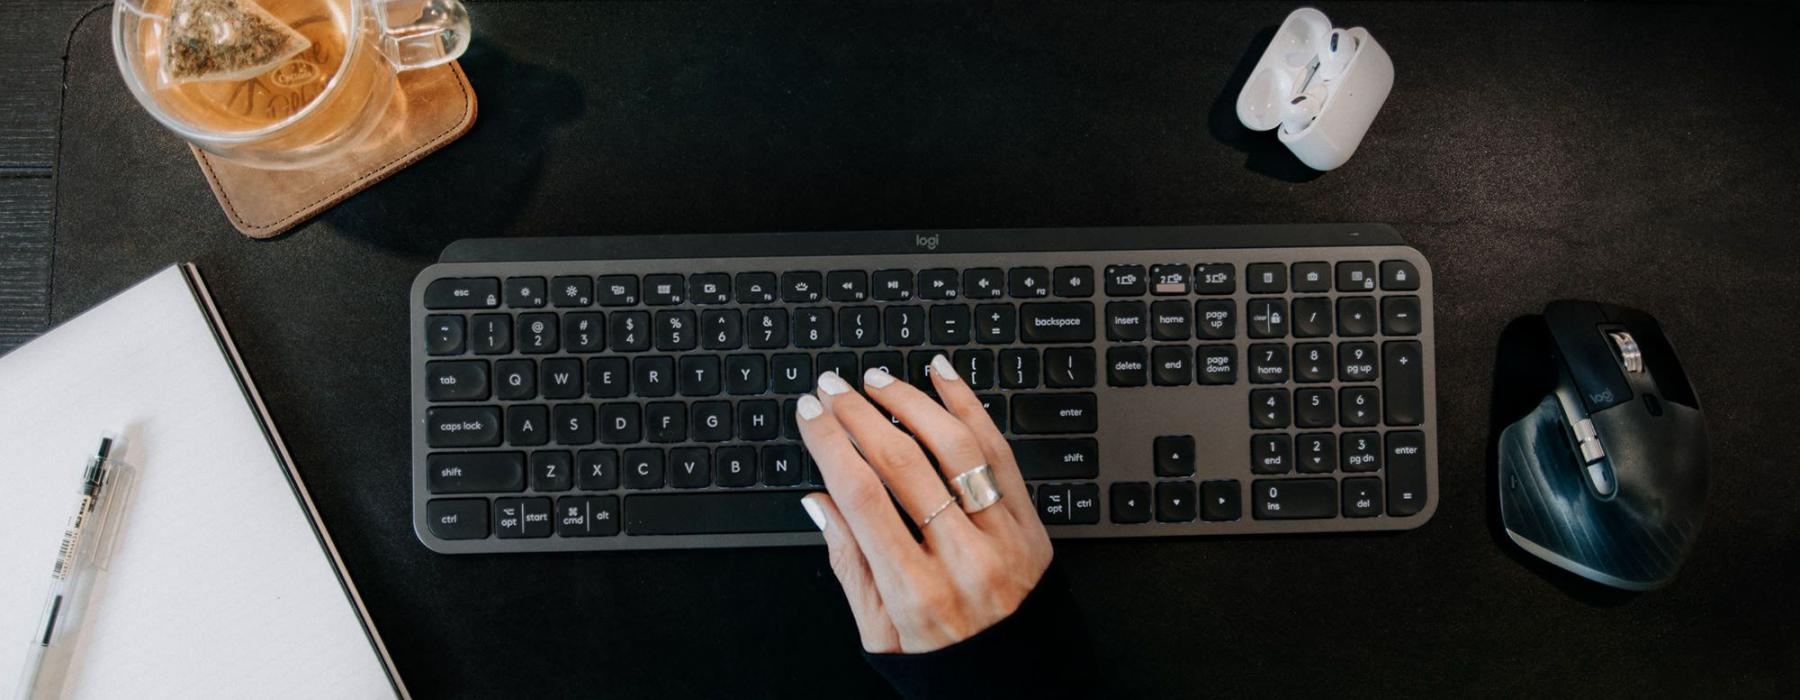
(866, 507)
(962, 403)
(852, 570)
(945, 435)
(894, 455)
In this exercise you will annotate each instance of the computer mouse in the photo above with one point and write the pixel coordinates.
(1607, 478)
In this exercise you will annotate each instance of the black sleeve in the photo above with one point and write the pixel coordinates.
(1040, 651)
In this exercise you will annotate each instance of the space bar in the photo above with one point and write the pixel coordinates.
(715, 513)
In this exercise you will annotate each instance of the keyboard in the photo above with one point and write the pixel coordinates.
(638, 392)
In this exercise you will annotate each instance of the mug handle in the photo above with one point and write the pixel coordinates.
(421, 33)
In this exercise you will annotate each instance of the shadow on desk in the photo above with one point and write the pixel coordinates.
(1264, 151)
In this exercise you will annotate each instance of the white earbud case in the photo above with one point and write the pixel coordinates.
(1289, 66)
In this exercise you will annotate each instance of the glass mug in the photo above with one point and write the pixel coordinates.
(305, 108)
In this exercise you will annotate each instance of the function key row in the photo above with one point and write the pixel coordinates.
(1176, 279)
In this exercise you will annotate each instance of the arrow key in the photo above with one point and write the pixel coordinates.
(1175, 501)
(1220, 500)
(1131, 502)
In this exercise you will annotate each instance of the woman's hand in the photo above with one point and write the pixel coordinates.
(972, 569)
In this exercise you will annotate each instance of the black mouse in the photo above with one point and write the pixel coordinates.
(1607, 478)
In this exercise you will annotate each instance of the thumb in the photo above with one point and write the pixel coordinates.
(852, 570)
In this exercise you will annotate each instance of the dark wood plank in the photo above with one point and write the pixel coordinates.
(33, 34)
(25, 236)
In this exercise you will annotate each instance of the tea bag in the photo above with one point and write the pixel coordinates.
(225, 40)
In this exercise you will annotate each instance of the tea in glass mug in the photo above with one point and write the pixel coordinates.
(278, 83)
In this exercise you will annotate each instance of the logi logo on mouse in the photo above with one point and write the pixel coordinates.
(927, 242)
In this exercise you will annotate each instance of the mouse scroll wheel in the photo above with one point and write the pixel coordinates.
(1626, 348)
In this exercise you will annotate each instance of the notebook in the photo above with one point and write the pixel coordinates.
(223, 581)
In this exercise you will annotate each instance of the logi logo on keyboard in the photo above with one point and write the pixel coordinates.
(927, 242)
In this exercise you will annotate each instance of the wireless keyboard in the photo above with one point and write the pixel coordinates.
(638, 392)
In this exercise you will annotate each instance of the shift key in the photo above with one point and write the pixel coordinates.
(475, 472)
(1047, 414)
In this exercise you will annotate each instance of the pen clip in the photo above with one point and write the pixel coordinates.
(121, 478)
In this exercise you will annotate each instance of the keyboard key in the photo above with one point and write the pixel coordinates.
(736, 466)
(1069, 368)
(1268, 364)
(445, 335)
(1314, 408)
(1315, 453)
(552, 471)
(1176, 501)
(904, 325)
(722, 329)
(1127, 320)
(814, 327)
(621, 423)
(1312, 362)
(758, 420)
(1170, 320)
(1265, 278)
(996, 324)
(1356, 362)
(949, 324)
(1125, 366)
(1399, 276)
(1057, 322)
(976, 367)
(710, 421)
(1215, 319)
(1288, 499)
(1405, 385)
(1215, 278)
(847, 285)
(1266, 318)
(665, 421)
(1043, 414)
(768, 328)
(690, 467)
(516, 380)
(1028, 282)
(574, 424)
(1219, 501)
(664, 290)
(1131, 502)
(1312, 277)
(995, 405)
(792, 373)
(490, 334)
(892, 363)
(710, 288)
(469, 293)
(1271, 453)
(456, 381)
(474, 472)
(597, 470)
(841, 363)
(608, 377)
(526, 292)
(675, 330)
(1173, 455)
(1172, 365)
(1217, 364)
(938, 284)
(755, 287)
(1084, 504)
(1057, 458)
(587, 516)
(802, 287)
(629, 331)
(1053, 504)
(644, 468)
(537, 333)
(522, 517)
(653, 376)
(1355, 276)
(781, 465)
(984, 283)
(560, 378)
(1405, 473)
(1269, 408)
(717, 513)
(1125, 280)
(1073, 281)
(918, 369)
(1362, 497)
(1312, 317)
(527, 425)
(1359, 452)
(1360, 407)
(584, 332)
(457, 518)
(1400, 316)
(572, 291)
(892, 285)
(462, 426)
(699, 375)
(1169, 280)
(617, 290)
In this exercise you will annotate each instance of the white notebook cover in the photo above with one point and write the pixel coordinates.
(222, 583)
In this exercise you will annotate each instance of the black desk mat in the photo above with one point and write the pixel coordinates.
(1638, 155)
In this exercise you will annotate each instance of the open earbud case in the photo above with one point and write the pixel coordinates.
(1290, 67)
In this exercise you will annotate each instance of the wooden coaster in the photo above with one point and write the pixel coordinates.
(431, 108)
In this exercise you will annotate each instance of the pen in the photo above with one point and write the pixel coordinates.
(72, 561)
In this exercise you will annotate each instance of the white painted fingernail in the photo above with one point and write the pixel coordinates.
(833, 384)
(809, 407)
(812, 509)
(940, 366)
(877, 377)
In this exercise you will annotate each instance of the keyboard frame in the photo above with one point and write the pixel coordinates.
(961, 249)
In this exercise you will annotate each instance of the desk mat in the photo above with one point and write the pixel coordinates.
(1532, 152)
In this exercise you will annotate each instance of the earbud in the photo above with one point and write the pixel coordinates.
(1335, 55)
(1302, 109)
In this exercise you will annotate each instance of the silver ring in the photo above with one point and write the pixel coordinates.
(976, 489)
(934, 513)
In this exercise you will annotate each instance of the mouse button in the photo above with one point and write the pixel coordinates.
(1578, 328)
(1663, 366)
(1652, 406)
(1601, 479)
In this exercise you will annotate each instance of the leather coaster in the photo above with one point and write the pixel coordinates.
(431, 108)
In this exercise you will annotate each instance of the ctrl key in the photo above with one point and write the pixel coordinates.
(457, 518)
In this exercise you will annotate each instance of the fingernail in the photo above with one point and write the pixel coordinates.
(809, 407)
(812, 509)
(877, 378)
(940, 366)
(833, 384)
